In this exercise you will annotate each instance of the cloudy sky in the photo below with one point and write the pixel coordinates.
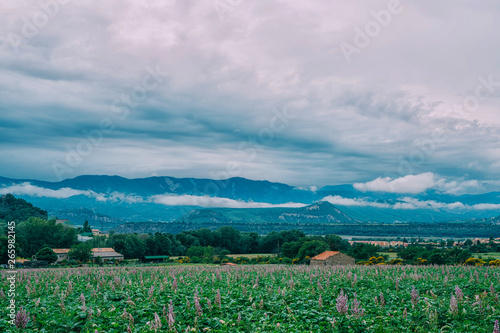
(305, 93)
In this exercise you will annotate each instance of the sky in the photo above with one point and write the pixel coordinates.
(381, 94)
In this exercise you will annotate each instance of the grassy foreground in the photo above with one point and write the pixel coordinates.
(265, 298)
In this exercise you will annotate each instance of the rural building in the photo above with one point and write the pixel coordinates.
(106, 254)
(328, 258)
(61, 254)
(82, 238)
(154, 259)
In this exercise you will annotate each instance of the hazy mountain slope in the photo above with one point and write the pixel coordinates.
(121, 199)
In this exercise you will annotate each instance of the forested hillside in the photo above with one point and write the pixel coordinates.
(14, 209)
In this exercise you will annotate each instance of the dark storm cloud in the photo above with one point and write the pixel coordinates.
(267, 86)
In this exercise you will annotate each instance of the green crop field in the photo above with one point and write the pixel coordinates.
(264, 298)
(495, 255)
(392, 255)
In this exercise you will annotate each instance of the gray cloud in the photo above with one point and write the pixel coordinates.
(353, 122)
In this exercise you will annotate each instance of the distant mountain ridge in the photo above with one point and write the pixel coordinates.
(112, 201)
(321, 212)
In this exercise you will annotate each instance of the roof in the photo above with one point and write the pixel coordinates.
(325, 255)
(228, 264)
(103, 249)
(60, 251)
(95, 250)
(156, 257)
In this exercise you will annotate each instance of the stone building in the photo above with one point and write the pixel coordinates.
(329, 258)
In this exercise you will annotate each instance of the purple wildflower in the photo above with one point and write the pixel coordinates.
(342, 306)
(356, 309)
(218, 298)
(382, 300)
(209, 304)
(459, 294)
(414, 296)
(453, 305)
(157, 321)
(197, 305)
(22, 318)
(496, 328)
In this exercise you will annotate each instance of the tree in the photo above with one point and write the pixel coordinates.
(86, 227)
(312, 248)
(291, 249)
(81, 252)
(336, 243)
(36, 233)
(46, 254)
(195, 251)
(363, 251)
(98, 260)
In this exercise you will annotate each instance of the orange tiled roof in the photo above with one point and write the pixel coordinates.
(96, 249)
(325, 255)
(60, 251)
(103, 249)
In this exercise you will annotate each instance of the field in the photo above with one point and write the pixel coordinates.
(264, 298)
(495, 255)
(391, 255)
(248, 255)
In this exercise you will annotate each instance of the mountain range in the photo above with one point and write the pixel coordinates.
(108, 201)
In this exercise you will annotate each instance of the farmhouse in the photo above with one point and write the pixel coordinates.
(61, 254)
(328, 258)
(106, 254)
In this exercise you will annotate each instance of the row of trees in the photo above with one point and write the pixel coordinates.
(37, 233)
(290, 243)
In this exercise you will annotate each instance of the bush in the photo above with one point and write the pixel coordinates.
(46, 254)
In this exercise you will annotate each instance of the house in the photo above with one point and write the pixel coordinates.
(106, 254)
(82, 238)
(96, 232)
(329, 258)
(62, 254)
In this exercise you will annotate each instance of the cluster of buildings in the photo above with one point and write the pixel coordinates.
(387, 244)
(383, 243)
(106, 254)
